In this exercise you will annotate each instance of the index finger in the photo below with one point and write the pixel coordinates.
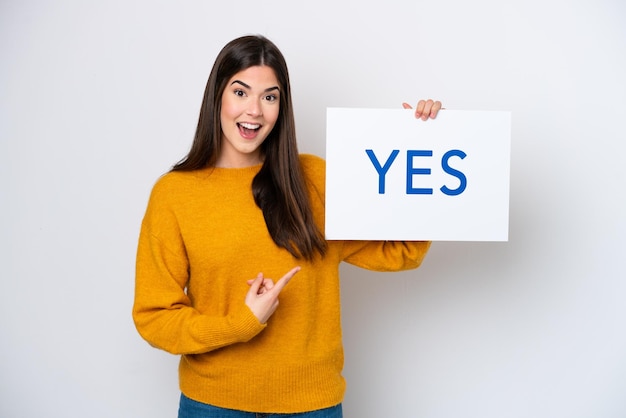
(278, 286)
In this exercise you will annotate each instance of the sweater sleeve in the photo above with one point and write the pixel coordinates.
(385, 255)
(162, 311)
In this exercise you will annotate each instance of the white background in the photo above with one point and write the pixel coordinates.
(97, 99)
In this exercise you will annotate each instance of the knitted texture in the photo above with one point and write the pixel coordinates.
(201, 239)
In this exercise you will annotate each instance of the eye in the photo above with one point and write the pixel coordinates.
(239, 92)
(271, 97)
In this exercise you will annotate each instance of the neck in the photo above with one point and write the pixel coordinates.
(240, 162)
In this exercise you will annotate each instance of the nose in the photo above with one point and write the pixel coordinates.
(254, 108)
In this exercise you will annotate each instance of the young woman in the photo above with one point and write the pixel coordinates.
(225, 231)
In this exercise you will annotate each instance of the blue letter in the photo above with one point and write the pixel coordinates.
(453, 172)
(382, 170)
(410, 171)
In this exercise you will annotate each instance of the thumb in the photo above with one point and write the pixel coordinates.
(406, 106)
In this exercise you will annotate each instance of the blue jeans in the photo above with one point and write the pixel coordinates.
(192, 409)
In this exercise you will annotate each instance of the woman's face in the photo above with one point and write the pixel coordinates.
(250, 106)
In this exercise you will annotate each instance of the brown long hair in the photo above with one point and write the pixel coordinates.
(279, 188)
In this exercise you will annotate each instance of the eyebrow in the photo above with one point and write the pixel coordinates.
(248, 87)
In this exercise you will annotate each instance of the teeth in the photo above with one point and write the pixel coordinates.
(250, 125)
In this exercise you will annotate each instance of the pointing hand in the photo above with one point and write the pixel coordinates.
(262, 298)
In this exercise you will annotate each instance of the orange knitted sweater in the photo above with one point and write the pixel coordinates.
(201, 239)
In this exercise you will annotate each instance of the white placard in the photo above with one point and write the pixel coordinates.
(390, 176)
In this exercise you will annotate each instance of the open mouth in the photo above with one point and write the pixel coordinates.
(248, 130)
